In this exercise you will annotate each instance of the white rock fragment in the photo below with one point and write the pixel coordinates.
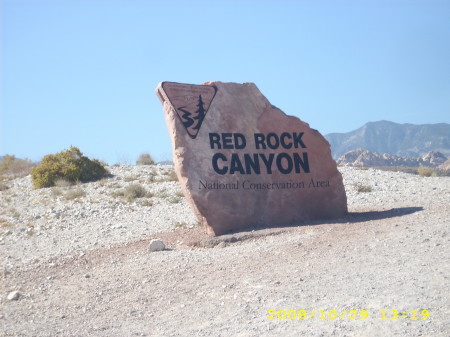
(13, 296)
(156, 245)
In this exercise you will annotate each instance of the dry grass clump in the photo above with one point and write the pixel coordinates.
(170, 176)
(57, 192)
(131, 178)
(3, 186)
(132, 192)
(426, 171)
(67, 192)
(184, 225)
(74, 194)
(103, 182)
(174, 199)
(181, 225)
(4, 223)
(361, 188)
(145, 159)
(146, 202)
(162, 195)
(10, 165)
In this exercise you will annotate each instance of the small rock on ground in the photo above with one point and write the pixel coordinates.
(156, 245)
(13, 296)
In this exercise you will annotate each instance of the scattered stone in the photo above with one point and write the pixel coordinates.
(156, 245)
(13, 296)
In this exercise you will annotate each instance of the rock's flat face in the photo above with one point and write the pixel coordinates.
(243, 162)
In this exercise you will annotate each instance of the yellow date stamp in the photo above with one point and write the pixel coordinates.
(347, 314)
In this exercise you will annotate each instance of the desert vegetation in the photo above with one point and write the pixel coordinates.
(362, 188)
(145, 159)
(10, 165)
(70, 166)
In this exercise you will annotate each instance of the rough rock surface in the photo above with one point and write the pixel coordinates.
(240, 126)
(365, 158)
(445, 166)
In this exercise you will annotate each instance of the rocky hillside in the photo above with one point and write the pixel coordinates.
(365, 158)
(388, 137)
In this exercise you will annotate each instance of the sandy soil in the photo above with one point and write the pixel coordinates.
(390, 253)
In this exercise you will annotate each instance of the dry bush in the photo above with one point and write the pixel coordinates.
(4, 223)
(16, 167)
(174, 200)
(132, 192)
(3, 186)
(181, 225)
(74, 194)
(162, 195)
(57, 192)
(361, 188)
(426, 171)
(119, 193)
(171, 176)
(146, 202)
(145, 159)
(103, 182)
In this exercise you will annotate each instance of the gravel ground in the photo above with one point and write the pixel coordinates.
(78, 259)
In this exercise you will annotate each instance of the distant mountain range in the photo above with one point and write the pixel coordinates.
(398, 139)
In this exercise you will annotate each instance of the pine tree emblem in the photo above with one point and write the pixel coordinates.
(191, 102)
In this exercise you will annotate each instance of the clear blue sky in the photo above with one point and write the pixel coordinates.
(83, 73)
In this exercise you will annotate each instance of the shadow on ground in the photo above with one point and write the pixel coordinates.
(197, 237)
(379, 215)
(351, 217)
(262, 231)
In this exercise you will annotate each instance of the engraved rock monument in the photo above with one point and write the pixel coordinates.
(243, 162)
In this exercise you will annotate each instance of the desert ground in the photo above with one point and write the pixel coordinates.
(76, 262)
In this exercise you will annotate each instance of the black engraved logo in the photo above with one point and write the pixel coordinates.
(191, 102)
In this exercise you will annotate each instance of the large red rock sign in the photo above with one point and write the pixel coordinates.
(242, 162)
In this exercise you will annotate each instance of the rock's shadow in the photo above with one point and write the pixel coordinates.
(351, 217)
(378, 215)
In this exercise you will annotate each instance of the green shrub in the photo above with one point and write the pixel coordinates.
(70, 166)
(145, 159)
